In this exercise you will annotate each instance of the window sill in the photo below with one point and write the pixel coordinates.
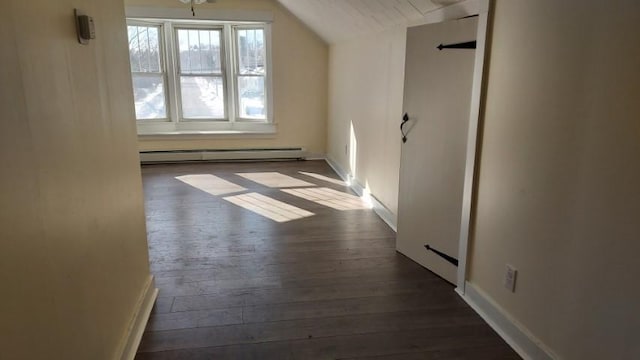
(227, 130)
(205, 134)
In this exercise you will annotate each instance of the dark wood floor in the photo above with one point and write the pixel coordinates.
(238, 285)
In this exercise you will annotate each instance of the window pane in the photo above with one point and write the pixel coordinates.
(144, 48)
(202, 97)
(251, 51)
(148, 94)
(199, 51)
(251, 95)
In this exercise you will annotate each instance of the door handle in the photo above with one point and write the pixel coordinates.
(405, 118)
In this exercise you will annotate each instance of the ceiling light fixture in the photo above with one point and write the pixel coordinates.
(196, 2)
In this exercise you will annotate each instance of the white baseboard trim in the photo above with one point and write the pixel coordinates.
(511, 331)
(338, 169)
(385, 214)
(139, 321)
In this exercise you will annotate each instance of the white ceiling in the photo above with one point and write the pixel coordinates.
(336, 20)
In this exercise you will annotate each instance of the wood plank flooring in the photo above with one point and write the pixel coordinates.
(237, 284)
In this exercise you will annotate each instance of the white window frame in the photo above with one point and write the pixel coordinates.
(236, 70)
(232, 124)
(163, 69)
(177, 72)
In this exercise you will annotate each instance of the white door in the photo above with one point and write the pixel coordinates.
(437, 97)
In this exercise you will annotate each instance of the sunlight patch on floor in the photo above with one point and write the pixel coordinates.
(323, 178)
(210, 184)
(268, 207)
(274, 179)
(329, 197)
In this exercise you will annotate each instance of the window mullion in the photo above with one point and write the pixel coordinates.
(170, 71)
(268, 74)
(229, 71)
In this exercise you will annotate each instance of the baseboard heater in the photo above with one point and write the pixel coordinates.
(169, 156)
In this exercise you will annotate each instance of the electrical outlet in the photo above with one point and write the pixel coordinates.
(510, 278)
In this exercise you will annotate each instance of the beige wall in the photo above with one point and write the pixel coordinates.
(299, 60)
(559, 194)
(366, 78)
(73, 251)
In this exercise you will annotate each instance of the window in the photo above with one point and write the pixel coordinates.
(200, 71)
(147, 72)
(250, 72)
(200, 76)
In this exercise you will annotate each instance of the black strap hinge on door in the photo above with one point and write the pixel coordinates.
(450, 259)
(462, 45)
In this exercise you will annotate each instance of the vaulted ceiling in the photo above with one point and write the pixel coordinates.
(337, 20)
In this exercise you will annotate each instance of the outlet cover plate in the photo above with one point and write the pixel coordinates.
(510, 275)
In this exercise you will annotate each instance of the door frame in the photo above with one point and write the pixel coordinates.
(483, 9)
